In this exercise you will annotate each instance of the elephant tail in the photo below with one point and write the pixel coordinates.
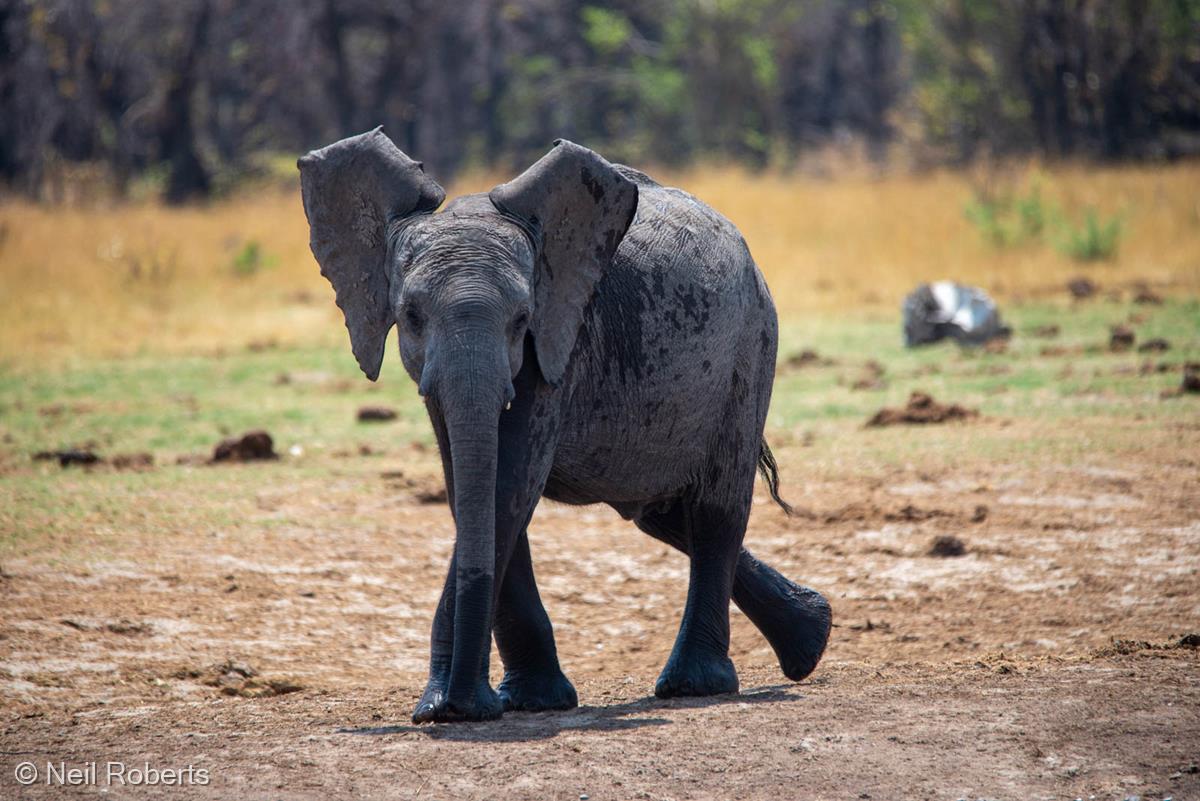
(768, 468)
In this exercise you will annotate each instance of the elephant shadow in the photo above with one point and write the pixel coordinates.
(523, 726)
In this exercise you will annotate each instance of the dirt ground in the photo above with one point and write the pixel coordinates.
(1050, 660)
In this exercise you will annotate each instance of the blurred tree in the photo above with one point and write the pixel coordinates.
(194, 91)
(1096, 78)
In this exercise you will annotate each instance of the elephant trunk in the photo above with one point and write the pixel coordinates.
(471, 398)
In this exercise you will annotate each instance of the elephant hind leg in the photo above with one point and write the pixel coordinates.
(699, 663)
(795, 620)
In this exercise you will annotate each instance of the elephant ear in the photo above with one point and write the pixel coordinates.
(578, 207)
(353, 190)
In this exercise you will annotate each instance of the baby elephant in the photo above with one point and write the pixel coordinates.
(584, 334)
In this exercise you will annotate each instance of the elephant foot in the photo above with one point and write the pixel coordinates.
(795, 620)
(690, 675)
(537, 691)
(799, 642)
(436, 706)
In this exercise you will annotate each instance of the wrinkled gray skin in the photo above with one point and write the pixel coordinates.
(579, 333)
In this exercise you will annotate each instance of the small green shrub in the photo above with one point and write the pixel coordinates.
(985, 213)
(250, 259)
(1006, 220)
(1032, 213)
(1094, 240)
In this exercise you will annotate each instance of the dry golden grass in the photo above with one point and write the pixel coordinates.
(85, 282)
(823, 244)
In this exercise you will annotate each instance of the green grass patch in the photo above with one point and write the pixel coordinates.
(1045, 401)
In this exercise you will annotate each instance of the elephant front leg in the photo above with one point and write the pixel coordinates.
(435, 704)
(533, 680)
(520, 624)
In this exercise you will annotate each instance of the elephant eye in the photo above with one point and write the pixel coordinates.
(413, 320)
(519, 323)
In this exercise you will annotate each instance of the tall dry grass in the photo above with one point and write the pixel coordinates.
(86, 282)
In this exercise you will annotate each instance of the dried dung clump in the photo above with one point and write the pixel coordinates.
(133, 461)
(424, 490)
(431, 495)
(1081, 288)
(69, 456)
(88, 457)
(1156, 345)
(1190, 384)
(376, 414)
(914, 514)
(872, 377)
(1146, 296)
(1150, 368)
(239, 679)
(1191, 377)
(251, 446)
(1121, 339)
(806, 358)
(947, 545)
(129, 627)
(921, 409)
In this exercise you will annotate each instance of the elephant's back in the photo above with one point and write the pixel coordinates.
(681, 330)
(682, 282)
(676, 237)
(682, 285)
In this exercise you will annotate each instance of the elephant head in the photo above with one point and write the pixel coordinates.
(465, 287)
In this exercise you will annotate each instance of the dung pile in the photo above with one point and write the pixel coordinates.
(238, 679)
(922, 409)
(251, 446)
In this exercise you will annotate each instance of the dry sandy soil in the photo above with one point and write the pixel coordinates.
(1048, 661)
